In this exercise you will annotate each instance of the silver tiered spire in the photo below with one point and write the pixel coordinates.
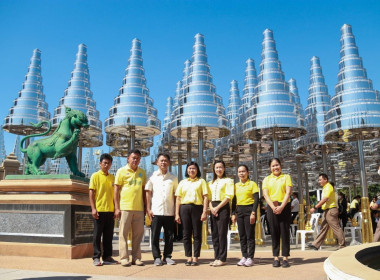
(202, 115)
(355, 111)
(355, 106)
(316, 112)
(29, 106)
(78, 96)
(132, 115)
(273, 114)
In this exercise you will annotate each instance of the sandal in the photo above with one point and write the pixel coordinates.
(188, 263)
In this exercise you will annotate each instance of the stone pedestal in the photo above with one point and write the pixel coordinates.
(45, 216)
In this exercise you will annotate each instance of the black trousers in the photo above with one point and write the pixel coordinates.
(167, 222)
(219, 230)
(192, 226)
(246, 230)
(103, 226)
(280, 228)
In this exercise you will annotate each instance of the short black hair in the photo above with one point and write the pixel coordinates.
(106, 156)
(134, 151)
(276, 159)
(295, 194)
(197, 166)
(324, 176)
(245, 166)
(164, 155)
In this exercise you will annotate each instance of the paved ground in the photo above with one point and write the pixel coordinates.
(304, 265)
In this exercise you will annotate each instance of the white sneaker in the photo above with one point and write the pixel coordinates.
(249, 262)
(157, 262)
(242, 262)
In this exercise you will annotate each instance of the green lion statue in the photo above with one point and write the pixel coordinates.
(62, 143)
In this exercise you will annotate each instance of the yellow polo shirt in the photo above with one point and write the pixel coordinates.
(191, 191)
(244, 192)
(131, 193)
(276, 186)
(328, 191)
(221, 189)
(103, 186)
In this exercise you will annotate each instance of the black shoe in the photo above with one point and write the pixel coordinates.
(187, 263)
(311, 246)
(285, 263)
(276, 263)
(194, 264)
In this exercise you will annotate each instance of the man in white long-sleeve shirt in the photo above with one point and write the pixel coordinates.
(160, 191)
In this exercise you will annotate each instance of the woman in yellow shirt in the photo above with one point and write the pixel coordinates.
(246, 201)
(221, 192)
(191, 210)
(276, 189)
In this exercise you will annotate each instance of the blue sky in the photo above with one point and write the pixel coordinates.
(232, 29)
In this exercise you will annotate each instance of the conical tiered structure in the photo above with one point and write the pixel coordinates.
(78, 96)
(3, 154)
(202, 115)
(250, 84)
(355, 112)
(132, 116)
(234, 104)
(29, 106)
(274, 113)
(226, 148)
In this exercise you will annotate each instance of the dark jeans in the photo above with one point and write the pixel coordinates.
(192, 226)
(246, 230)
(103, 226)
(280, 227)
(219, 229)
(167, 222)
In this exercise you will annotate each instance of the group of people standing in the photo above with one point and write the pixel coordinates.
(129, 196)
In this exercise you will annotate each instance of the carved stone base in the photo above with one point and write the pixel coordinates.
(45, 217)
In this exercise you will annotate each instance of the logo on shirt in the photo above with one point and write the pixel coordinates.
(140, 174)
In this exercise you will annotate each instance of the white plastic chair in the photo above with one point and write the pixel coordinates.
(358, 217)
(230, 232)
(314, 230)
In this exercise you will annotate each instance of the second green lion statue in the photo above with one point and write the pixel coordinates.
(62, 143)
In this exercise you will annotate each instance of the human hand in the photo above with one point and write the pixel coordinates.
(95, 214)
(312, 210)
(117, 214)
(204, 216)
(252, 218)
(150, 214)
(177, 219)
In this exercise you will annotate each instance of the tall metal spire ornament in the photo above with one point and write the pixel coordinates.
(201, 113)
(355, 112)
(273, 115)
(30, 106)
(78, 96)
(132, 117)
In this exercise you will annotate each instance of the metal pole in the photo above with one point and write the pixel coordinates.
(301, 213)
(80, 156)
(324, 159)
(132, 139)
(188, 144)
(179, 159)
(333, 179)
(200, 151)
(363, 175)
(367, 233)
(275, 144)
(254, 161)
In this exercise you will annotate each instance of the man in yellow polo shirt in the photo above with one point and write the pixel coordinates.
(101, 199)
(330, 214)
(129, 207)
